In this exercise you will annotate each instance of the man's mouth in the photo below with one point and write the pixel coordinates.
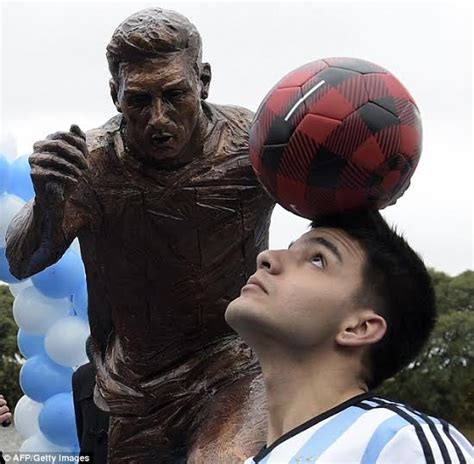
(161, 139)
(253, 281)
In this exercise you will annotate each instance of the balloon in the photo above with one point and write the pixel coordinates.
(65, 341)
(9, 206)
(38, 443)
(61, 279)
(57, 420)
(75, 247)
(30, 344)
(4, 173)
(26, 417)
(35, 313)
(20, 183)
(79, 302)
(40, 378)
(4, 269)
(15, 289)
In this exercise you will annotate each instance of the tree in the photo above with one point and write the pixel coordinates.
(440, 381)
(453, 293)
(9, 355)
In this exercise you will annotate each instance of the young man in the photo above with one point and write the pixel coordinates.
(347, 306)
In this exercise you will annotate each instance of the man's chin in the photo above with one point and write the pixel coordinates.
(161, 159)
(165, 153)
(242, 315)
(169, 158)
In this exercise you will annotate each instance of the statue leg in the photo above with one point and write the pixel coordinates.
(232, 427)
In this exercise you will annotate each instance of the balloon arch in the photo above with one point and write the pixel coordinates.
(50, 309)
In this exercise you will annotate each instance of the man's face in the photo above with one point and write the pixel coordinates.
(306, 292)
(160, 100)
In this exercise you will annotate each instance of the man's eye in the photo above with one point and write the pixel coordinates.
(173, 94)
(318, 261)
(138, 100)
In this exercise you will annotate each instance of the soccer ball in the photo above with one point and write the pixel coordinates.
(336, 135)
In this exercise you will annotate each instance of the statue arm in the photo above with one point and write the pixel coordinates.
(39, 235)
(42, 231)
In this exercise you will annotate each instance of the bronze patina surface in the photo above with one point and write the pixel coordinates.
(170, 219)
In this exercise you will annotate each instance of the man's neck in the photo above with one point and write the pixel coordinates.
(298, 390)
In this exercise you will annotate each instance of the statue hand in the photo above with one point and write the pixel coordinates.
(57, 164)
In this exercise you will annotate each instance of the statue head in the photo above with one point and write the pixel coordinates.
(158, 83)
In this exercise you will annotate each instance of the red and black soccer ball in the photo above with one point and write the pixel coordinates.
(336, 135)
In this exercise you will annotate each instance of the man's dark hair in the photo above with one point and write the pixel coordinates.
(153, 33)
(397, 286)
(90, 350)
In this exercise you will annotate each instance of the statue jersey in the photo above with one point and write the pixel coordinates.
(165, 251)
(369, 430)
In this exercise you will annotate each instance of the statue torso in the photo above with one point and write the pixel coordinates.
(165, 251)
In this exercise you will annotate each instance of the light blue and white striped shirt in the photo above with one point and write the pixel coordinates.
(369, 430)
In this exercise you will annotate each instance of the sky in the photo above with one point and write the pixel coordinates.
(54, 73)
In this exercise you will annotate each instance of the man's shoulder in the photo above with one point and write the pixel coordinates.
(372, 429)
(409, 434)
(85, 371)
(389, 412)
(232, 112)
(102, 136)
(83, 381)
(236, 118)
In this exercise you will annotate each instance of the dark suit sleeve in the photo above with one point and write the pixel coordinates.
(77, 406)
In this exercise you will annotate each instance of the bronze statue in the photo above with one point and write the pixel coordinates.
(170, 219)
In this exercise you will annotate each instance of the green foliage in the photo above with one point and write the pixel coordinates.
(440, 381)
(454, 293)
(9, 381)
(8, 328)
(9, 354)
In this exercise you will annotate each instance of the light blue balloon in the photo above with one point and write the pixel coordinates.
(41, 378)
(61, 280)
(4, 173)
(57, 420)
(30, 344)
(79, 302)
(20, 183)
(5, 270)
(75, 450)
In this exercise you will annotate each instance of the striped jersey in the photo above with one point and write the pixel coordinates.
(369, 430)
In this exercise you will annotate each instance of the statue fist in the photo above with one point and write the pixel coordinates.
(58, 163)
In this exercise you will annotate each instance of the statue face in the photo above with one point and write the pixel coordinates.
(160, 100)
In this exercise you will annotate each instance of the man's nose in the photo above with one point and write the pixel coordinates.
(158, 115)
(271, 261)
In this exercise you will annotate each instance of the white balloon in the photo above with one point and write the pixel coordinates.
(15, 289)
(26, 417)
(65, 341)
(38, 443)
(36, 313)
(9, 206)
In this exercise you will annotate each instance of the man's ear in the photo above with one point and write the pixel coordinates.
(205, 78)
(114, 94)
(361, 329)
